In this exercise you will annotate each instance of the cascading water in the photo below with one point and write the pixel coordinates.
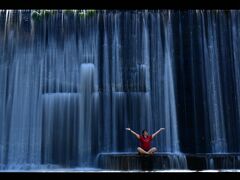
(70, 85)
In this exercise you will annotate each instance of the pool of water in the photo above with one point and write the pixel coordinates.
(97, 170)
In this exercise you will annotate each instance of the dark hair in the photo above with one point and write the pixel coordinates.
(144, 131)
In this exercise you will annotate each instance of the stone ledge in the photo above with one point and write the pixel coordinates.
(133, 161)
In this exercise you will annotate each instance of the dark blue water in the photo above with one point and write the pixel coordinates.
(70, 85)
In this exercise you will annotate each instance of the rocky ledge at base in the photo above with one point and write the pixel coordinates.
(164, 161)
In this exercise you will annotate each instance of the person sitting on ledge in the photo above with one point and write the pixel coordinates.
(145, 141)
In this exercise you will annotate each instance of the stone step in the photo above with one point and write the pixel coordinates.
(160, 161)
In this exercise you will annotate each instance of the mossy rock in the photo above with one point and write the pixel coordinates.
(91, 12)
(47, 13)
(36, 16)
(82, 14)
(71, 12)
(87, 13)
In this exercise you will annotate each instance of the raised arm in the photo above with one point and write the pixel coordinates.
(137, 135)
(156, 133)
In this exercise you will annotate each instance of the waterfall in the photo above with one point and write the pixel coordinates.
(70, 85)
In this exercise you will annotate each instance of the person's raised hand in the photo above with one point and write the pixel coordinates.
(128, 129)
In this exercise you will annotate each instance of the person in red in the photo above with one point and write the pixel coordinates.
(145, 141)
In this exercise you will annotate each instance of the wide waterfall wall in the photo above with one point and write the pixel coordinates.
(70, 85)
